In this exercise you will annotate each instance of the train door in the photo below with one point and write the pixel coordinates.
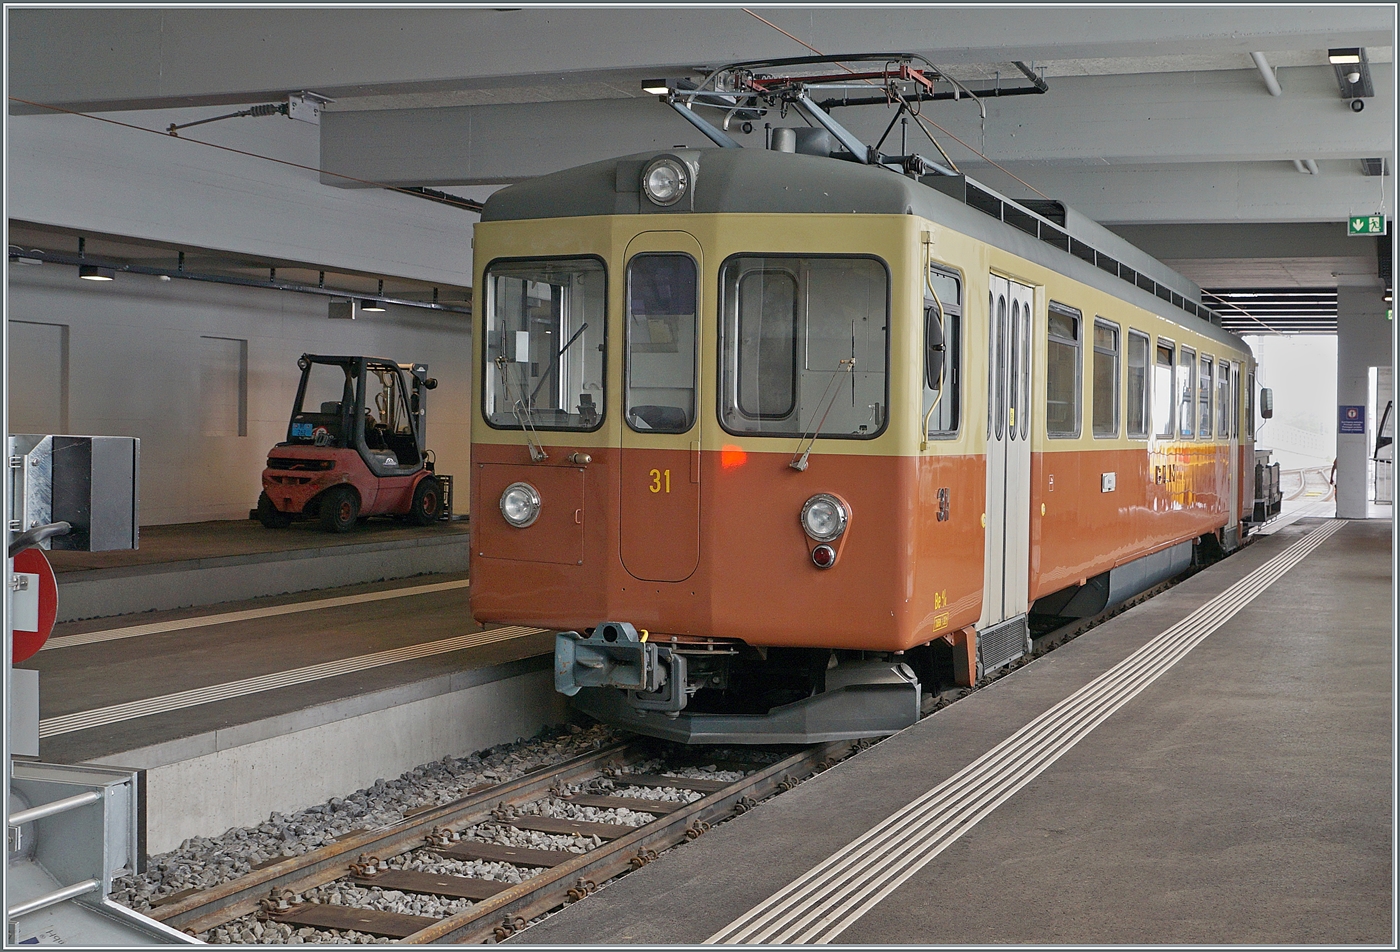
(659, 504)
(1002, 629)
(1230, 420)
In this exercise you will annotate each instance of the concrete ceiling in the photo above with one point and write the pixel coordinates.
(1156, 117)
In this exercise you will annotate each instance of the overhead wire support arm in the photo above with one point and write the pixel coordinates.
(715, 135)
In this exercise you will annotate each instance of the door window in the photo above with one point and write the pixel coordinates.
(943, 355)
(661, 310)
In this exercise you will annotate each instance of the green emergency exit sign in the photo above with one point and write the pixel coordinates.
(1365, 225)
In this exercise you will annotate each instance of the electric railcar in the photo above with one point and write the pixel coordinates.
(771, 437)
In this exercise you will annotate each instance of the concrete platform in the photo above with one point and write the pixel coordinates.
(1243, 796)
(255, 747)
(204, 563)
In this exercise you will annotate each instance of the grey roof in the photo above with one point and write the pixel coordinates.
(763, 181)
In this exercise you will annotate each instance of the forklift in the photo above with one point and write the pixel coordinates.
(355, 447)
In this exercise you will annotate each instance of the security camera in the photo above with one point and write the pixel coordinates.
(1353, 77)
(1357, 105)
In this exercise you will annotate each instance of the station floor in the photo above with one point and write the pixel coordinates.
(1242, 796)
(155, 655)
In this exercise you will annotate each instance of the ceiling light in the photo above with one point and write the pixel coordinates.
(91, 272)
(371, 306)
(1352, 55)
(656, 87)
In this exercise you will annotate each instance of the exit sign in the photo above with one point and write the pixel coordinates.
(1365, 225)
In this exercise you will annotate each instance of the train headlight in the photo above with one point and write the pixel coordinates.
(520, 504)
(824, 517)
(665, 180)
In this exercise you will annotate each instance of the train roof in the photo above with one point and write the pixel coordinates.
(770, 182)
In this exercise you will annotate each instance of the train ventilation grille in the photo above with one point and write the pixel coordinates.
(1001, 644)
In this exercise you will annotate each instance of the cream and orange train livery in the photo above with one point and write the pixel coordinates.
(771, 438)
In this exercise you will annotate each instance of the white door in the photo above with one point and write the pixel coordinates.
(1006, 581)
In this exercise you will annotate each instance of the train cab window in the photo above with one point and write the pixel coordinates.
(1139, 345)
(1105, 378)
(660, 367)
(1222, 401)
(544, 333)
(803, 346)
(1186, 391)
(1062, 373)
(1204, 392)
(942, 355)
(1163, 403)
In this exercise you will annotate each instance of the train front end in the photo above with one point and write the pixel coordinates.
(684, 457)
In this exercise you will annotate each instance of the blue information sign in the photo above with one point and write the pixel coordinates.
(1351, 419)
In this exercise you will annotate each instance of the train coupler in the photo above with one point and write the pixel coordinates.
(614, 655)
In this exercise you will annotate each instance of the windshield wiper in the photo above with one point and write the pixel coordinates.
(555, 361)
(799, 456)
(521, 411)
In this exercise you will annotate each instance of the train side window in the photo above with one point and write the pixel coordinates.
(1139, 345)
(1222, 401)
(1105, 378)
(545, 332)
(660, 367)
(943, 355)
(1206, 390)
(804, 343)
(1186, 391)
(1062, 372)
(1163, 406)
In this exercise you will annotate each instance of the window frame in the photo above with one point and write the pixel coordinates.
(486, 369)
(1148, 355)
(1190, 382)
(1116, 398)
(956, 356)
(627, 342)
(721, 341)
(1170, 345)
(1205, 419)
(1066, 310)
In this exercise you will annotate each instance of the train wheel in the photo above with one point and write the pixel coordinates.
(270, 516)
(427, 500)
(339, 509)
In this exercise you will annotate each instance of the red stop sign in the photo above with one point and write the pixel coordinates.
(33, 562)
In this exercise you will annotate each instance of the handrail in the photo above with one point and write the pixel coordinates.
(53, 898)
(51, 809)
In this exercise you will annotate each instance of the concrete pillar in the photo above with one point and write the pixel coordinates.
(1363, 342)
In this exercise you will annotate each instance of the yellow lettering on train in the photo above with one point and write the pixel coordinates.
(660, 481)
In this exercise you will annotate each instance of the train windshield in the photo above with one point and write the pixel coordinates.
(544, 344)
(804, 344)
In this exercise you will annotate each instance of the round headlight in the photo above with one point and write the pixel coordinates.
(824, 517)
(665, 180)
(520, 504)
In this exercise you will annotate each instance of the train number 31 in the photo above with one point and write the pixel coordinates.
(660, 481)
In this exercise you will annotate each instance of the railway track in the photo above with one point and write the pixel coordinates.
(469, 831)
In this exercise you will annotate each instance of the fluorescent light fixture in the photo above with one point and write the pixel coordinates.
(28, 259)
(656, 87)
(91, 272)
(370, 306)
(1352, 55)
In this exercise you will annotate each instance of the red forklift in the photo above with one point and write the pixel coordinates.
(355, 447)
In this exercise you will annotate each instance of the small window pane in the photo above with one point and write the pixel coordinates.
(1015, 371)
(1249, 408)
(942, 390)
(661, 343)
(1062, 372)
(1206, 389)
(1001, 367)
(1138, 347)
(1105, 379)
(1026, 372)
(1163, 415)
(1186, 392)
(544, 344)
(1222, 401)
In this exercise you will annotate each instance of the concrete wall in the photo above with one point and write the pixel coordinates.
(164, 361)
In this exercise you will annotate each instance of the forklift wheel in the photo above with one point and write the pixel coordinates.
(427, 501)
(339, 509)
(270, 516)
